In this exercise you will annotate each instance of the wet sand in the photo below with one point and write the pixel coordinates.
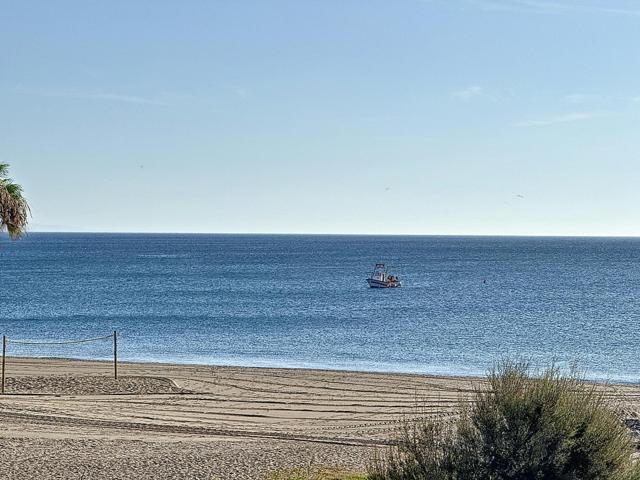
(71, 419)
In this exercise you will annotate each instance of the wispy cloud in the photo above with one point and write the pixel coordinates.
(563, 118)
(581, 98)
(240, 92)
(468, 93)
(542, 6)
(95, 95)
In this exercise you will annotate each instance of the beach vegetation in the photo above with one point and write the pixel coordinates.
(520, 425)
(14, 209)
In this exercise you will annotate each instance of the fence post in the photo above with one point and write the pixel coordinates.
(4, 353)
(115, 354)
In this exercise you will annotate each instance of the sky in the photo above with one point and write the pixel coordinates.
(486, 117)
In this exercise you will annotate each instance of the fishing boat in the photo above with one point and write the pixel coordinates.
(379, 278)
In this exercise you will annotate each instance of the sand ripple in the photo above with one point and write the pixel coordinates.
(90, 385)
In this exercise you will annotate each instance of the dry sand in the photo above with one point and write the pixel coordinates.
(67, 419)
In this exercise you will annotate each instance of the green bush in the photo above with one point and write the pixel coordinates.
(520, 427)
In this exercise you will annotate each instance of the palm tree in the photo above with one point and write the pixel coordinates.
(14, 209)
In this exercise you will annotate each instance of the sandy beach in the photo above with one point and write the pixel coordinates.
(71, 419)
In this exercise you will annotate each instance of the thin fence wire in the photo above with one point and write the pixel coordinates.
(66, 342)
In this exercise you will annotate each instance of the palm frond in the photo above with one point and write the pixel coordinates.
(14, 209)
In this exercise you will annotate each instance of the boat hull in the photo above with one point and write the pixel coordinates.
(373, 283)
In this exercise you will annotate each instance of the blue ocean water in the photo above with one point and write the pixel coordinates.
(302, 301)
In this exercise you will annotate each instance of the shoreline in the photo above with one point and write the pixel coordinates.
(597, 379)
(250, 367)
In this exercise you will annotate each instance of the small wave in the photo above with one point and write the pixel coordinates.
(163, 255)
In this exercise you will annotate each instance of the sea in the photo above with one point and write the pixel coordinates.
(302, 301)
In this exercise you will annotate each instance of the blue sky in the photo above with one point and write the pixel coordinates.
(319, 116)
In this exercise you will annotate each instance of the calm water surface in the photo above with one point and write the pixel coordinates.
(302, 301)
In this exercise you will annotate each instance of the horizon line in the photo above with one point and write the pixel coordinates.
(348, 234)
